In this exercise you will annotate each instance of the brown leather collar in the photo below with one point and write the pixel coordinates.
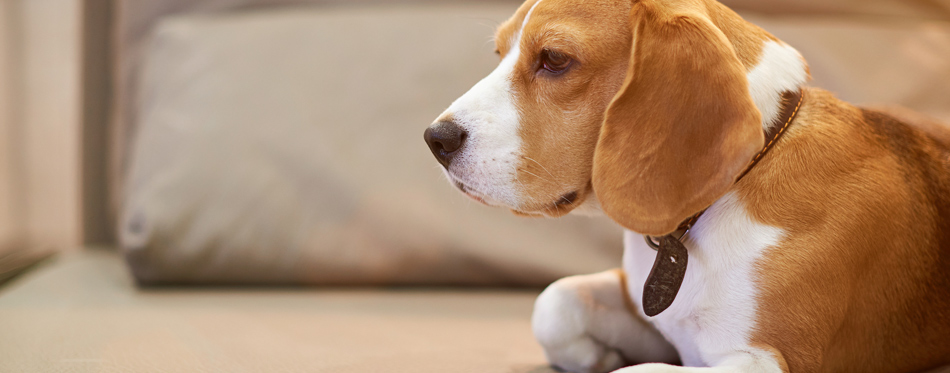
(668, 271)
(792, 101)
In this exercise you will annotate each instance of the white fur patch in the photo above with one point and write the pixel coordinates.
(781, 68)
(584, 325)
(488, 162)
(713, 315)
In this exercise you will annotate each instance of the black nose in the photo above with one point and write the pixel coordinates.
(445, 138)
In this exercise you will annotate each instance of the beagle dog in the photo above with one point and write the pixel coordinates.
(829, 253)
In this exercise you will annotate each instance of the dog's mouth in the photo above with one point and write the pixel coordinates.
(468, 191)
(567, 199)
(559, 207)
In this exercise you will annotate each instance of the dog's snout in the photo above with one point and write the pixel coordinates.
(445, 138)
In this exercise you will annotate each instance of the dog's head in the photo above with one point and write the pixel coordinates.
(650, 108)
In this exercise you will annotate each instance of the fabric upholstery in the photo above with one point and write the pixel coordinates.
(82, 313)
(135, 21)
(286, 147)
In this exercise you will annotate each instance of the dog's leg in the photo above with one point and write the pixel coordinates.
(585, 324)
(751, 361)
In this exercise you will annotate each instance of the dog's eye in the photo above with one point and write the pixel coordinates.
(554, 62)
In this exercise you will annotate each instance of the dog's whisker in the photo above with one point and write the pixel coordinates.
(531, 199)
(538, 163)
(536, 175)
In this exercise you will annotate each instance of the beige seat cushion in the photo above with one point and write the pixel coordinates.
(82, 313)
(285, 146)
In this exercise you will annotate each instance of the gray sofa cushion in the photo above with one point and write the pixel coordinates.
(285, 146)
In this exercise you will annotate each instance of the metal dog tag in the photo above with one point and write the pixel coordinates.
(666, 276)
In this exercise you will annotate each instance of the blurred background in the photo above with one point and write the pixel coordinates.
(239, 185)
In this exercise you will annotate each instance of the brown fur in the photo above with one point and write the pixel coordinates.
(746, 38)
(562, 114)
(682, 127)
(860, 281)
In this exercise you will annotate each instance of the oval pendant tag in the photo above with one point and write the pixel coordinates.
(666, 277)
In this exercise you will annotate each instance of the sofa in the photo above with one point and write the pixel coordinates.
(277, 210)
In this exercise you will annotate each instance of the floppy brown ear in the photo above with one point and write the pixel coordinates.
(682, 127)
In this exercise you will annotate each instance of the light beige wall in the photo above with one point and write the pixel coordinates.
(10, 226)
(40, 132)
(51, 117)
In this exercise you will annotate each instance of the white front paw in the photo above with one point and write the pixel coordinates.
(560, 324)
(584, 355)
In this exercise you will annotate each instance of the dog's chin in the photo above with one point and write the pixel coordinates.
(478, 199)
(472, 193)
(563, 205)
